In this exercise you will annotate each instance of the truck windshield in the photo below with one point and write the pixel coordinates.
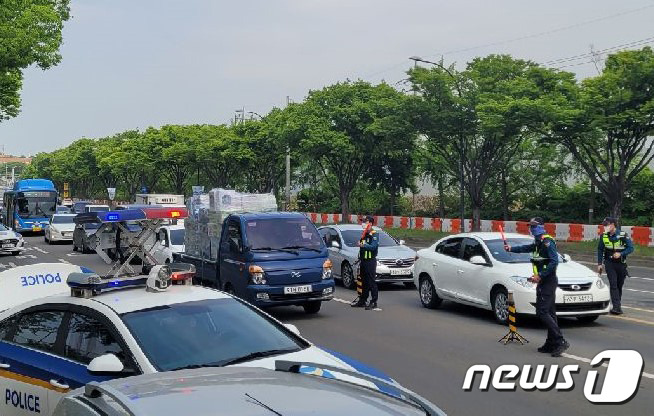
(211, 332)
(279, 233)
(177, 237)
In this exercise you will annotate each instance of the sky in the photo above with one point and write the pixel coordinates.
(131, 64)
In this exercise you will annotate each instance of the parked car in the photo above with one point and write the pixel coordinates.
(78, 207)
(59, 228)
(239, 391)
(394, 259)
(474, 269)
(11, 242)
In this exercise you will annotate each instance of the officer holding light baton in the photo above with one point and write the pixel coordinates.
(545, 259)
(612, 251)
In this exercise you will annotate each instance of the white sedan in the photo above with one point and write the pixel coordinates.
(59, 228)
(61, 327)
(474, 269)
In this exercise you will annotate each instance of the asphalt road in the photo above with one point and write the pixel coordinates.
(430, 351)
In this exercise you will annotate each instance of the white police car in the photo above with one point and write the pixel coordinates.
(62, 326)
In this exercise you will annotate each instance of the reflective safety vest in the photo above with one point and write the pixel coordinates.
(364, 253)
(539, 262)
(617, 246)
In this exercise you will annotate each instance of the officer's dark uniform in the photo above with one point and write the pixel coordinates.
(616, 268)
(368, 259)
(545, 259)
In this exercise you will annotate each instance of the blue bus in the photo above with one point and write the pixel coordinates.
(29, 205)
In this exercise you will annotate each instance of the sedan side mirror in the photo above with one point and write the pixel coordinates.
(293, 329)
(105, 364)
(567, 257)
(336, 244)
(479, 260)
(402, 242)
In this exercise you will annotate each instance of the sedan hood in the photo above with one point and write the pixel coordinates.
(395, 252)
(568, 272)
(63, 227)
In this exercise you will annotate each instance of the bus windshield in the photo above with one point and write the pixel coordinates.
(36, 206)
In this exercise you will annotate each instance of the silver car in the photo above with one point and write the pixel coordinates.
(394, 259)
(289, 391)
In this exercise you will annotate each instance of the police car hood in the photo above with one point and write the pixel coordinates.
(26, 283)
(567, 272)
(251, 391)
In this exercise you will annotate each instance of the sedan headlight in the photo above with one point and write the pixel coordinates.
(522, 281)
(600, 283)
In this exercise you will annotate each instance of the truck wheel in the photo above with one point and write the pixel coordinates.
(312, 307)
(347, 276)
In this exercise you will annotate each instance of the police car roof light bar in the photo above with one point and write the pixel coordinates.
(166, 213)
(110, 216)
(89, 284)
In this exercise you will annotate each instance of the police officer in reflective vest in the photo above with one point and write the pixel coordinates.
(544, 259)
(612, 251)
(368, 257)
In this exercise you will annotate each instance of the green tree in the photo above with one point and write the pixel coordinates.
(30, 34)
(343, 129)
(607, 123)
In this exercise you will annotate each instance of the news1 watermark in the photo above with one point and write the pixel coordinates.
(620, 383)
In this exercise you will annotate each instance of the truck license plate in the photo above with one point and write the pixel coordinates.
(400, 272)
(289, 290)
(577, 298)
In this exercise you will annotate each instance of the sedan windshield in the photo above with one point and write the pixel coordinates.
(496, 247)
(62, 219)
(352, 237)
(212, 332)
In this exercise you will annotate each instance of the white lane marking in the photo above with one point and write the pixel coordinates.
(638, 309)
(12, 264)
(73, 254)
(587, 361)
(40, 250)
(26, 256)
(642, 278)
(67, 262)
(641, 291)
(347, 302)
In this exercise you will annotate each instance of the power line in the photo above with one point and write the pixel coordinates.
(610, 49)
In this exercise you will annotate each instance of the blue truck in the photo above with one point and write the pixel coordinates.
(269, 259)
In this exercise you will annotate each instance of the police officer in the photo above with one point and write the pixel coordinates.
(544, 259)
(612, 252)
(368, 264)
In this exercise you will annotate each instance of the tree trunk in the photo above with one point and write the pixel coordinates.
(476, 217)
(344, 195)
(392, 203)
(591, 203)
(441, 196)
(505, 197)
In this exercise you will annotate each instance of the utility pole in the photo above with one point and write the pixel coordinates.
(288, 170)
(597, 59)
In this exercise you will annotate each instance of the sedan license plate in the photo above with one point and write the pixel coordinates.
(289, 290)
(8, 245)
(400, 272)
(577, 298)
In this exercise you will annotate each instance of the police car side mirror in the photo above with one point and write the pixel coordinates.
(105, 364)
(293, 329)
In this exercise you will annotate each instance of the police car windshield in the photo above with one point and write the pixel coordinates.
(212, 332)
(177, 237)
(351, 238)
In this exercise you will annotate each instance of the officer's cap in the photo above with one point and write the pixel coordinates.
(369, 218)
(536, 221)
(609, 220)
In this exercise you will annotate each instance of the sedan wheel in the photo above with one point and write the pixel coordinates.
(501, 306)
(347, 276)
(428, 295)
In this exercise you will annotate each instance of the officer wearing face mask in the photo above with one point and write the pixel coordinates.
(369, 245)
(544, 259)
(612, 251)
